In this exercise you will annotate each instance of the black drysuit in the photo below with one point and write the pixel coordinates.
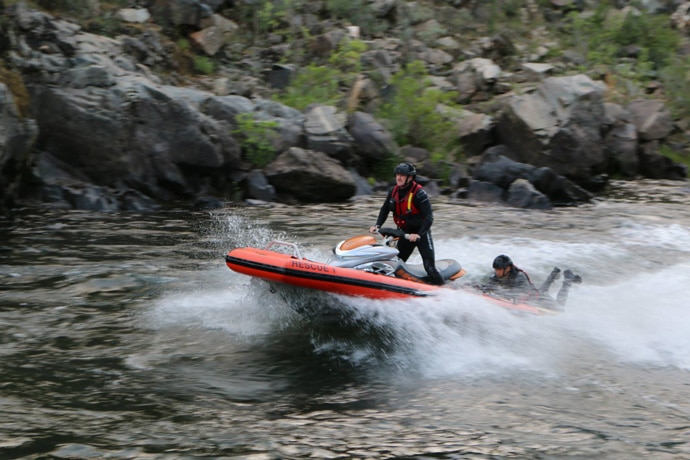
(416, 218)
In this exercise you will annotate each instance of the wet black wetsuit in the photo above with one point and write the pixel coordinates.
(516, 286)
(413, 216)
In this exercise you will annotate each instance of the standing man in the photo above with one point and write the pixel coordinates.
(412, 213)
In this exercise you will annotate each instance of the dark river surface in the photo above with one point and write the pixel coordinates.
(125, 336)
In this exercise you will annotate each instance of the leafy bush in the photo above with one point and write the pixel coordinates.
(347, 58)
(270, 15)
(412, 114)
(351, 10)
(264, 16)
(322, 84)
(602, 36)
(256, 138)
(652, 33)
(675, 156)
(203, 65)
(676, 79)
(358, 13)
(81, 9)
(312, 84)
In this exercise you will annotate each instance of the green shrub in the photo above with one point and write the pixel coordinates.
(676, 79)
(270, 15)
(256, 138)
(358, 13)
(263, 16)
(382, 169)
(312, 84)
(668, 152)
(601, 36)
(347, 58)
(431, 34)
(652, 33)
(412, 116)
(80, 9)
(350, 10)
(203, 65)
(325, 84)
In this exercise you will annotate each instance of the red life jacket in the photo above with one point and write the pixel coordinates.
(404, 206)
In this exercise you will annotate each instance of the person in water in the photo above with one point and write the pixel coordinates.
(412, 213)
(513, 283)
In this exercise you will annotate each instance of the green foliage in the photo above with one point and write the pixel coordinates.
(675, 156)
(80, 9)
(602, 36)
(505, 16)
(676, 79)
(265, 15)
(257, 138)
(322, 84)
(347, 57)
(419, 12)
(347, 60)
(652, 33)
(203, 65)
(269, 16)
(383, 168)
(356, 12)
(412, 114)
(431, 34)
(94, 16)
(351, 10)
(312, 84)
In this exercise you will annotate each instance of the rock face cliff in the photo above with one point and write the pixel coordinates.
(100, 130)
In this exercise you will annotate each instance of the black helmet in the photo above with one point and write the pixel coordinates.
(502, 261)
(406, 169)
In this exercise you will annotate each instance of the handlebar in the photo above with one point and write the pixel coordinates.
(388, 232)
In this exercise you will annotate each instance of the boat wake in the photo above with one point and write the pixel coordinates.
(627, 311)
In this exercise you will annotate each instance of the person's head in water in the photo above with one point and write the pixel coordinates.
(502, 266)
(404, 174)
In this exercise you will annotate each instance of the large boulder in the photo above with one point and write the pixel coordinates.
(108, 128)
(651, 118)
(219, 33)
(564, 125)
(372, 140)
(326, 131)
(157, 140)
(17, 138)
(499, 170)
(558, 126)
(174, 13)
(475, 79)
(310, 176)
(657, 166)
(522, 194)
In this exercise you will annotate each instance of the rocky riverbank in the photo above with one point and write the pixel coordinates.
(90, 122)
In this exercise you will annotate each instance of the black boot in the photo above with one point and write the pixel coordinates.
(553, 276)
(572, 277)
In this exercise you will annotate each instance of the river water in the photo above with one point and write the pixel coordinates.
(125, 336)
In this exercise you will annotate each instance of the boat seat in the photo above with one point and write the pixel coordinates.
(357, 241)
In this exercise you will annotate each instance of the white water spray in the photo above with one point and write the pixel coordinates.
(631, 307)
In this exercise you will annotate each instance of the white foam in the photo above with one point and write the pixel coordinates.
(630, 308)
